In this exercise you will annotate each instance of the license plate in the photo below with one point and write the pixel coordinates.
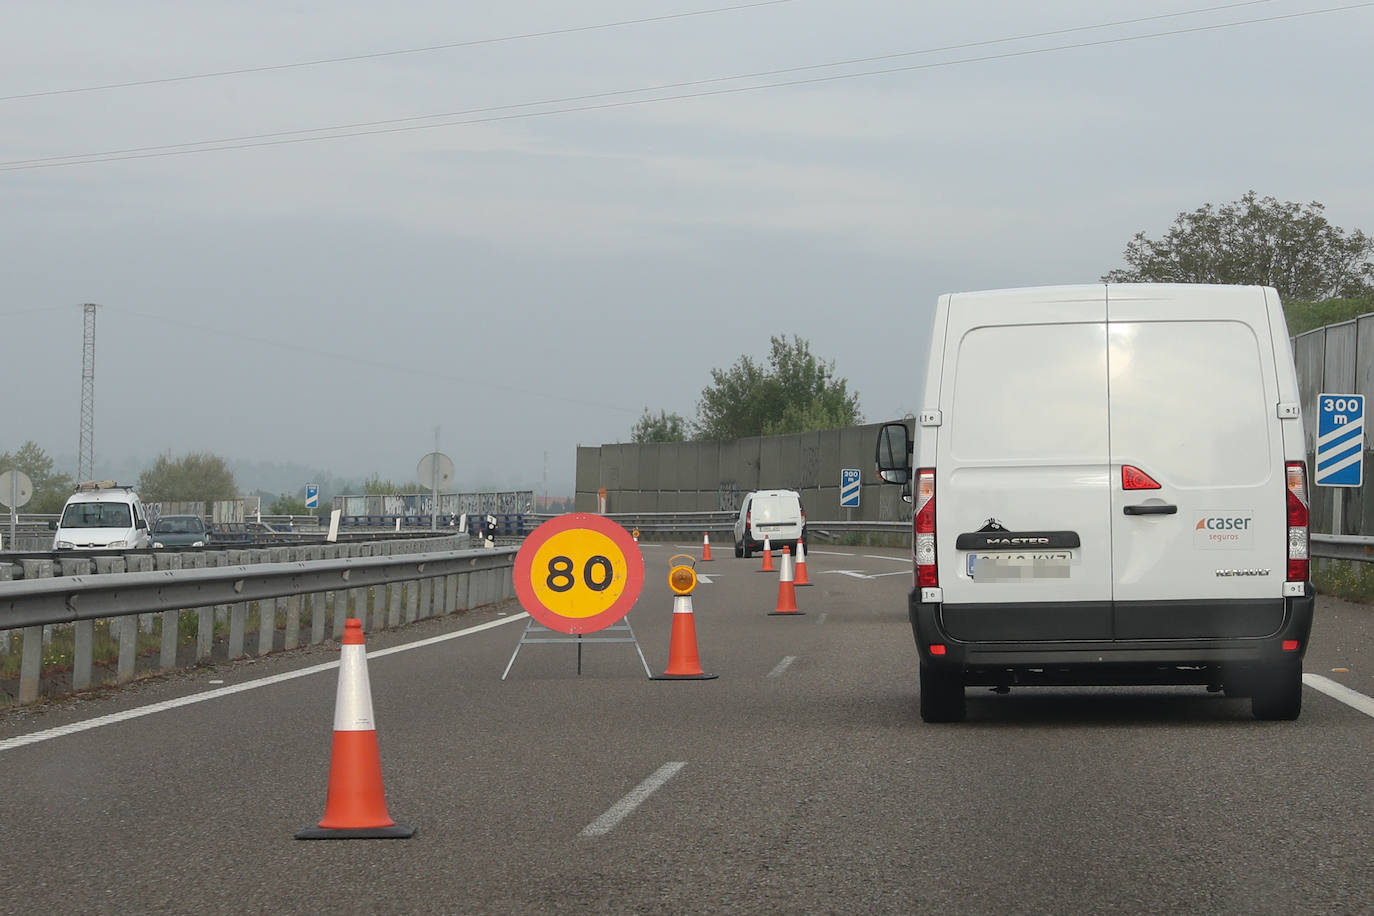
(1012, 567)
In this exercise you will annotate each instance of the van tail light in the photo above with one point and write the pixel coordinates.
(1133, 478)
(1298, 540)
(923, 530)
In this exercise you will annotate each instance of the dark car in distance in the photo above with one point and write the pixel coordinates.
(180, 531)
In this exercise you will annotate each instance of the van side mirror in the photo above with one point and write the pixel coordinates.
(893, 454)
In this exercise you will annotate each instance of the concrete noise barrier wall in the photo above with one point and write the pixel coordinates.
(714, 476)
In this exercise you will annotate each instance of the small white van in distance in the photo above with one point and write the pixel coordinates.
(101, 515)
(1109, 487)
(775, 513)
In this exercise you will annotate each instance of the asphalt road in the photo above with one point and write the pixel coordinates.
(800, 780)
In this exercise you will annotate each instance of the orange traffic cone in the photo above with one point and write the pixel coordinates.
(683, 662)
(767, 555)
(801, 566)
(705, 546)
(787, 595)
(355, 807)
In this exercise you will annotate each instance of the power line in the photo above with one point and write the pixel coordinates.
(396, 53)
(621, 92)
(375, 128)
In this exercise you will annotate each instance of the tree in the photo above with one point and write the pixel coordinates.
(666, 427)
(1255, 241)
(796, 392)
(288, 505)
(50, 490)
(198, 477)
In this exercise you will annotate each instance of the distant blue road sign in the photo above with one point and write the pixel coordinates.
(849, 488)
(1340, 440)
(312, 496)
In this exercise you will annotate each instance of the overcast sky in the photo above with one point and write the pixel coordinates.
(561, 245)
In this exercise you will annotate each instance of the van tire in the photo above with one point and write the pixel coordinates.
(1277, 693)
(942, 696)
(739, 549)
(745, 547)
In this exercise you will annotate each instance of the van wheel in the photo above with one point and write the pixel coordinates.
(739, 549)
(942, 696)
(1277, 692)
(745, 547)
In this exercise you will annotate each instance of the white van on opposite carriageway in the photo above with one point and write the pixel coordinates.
(101, 515)
(1109, 488)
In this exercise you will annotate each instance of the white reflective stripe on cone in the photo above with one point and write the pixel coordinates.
(353, 702)
(682, 604)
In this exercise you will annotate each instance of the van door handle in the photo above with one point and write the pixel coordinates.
(1156, 509)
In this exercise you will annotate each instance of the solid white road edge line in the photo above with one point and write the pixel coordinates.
(621, 809)
(1352, 698)
(782, 665)
(117, 717)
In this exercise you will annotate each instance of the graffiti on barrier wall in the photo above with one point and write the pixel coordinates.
(728, 497)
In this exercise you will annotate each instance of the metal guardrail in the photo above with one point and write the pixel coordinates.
(377, 586)
(1343, 547)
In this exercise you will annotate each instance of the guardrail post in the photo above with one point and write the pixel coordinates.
(440, 591)
(206, 616)
(170, 619)
(39, 569)
(267, 609)
(484, 589)
(451, 592)
(293, 606)
(130, 624)
(238, 612)
(393, 604)
(462, 590)
(412, 588)
(315, 604)
(31, 664)
(83, 631)
(6, 575)
(426, 597)
(140, 563)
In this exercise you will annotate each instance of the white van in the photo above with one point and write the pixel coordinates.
(101, 515)
(776, 513)
(1109, 488)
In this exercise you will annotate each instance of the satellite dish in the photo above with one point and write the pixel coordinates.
(16, 489)
(435, 471)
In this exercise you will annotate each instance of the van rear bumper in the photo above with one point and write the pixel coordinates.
(1189, 657)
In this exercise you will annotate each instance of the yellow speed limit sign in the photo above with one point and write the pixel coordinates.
(578, 573)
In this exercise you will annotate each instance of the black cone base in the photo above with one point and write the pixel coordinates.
(682, 677)
(394, 832)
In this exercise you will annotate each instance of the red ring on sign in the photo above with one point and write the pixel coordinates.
(579, 521)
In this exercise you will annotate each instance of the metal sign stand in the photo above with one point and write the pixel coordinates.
(536, 632)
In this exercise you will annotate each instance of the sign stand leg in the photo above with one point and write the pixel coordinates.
(536, 633)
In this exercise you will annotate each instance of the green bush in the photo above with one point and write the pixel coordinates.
(1307, 316)
(1352, 580)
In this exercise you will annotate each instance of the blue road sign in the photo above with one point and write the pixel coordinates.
(849, 488)
(312, 496)
(1340, 440)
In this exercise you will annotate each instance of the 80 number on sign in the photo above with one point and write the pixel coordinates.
(578, 573)
(561, 574)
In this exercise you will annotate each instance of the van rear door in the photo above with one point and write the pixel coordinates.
(1023, 452)
(1193, 405)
